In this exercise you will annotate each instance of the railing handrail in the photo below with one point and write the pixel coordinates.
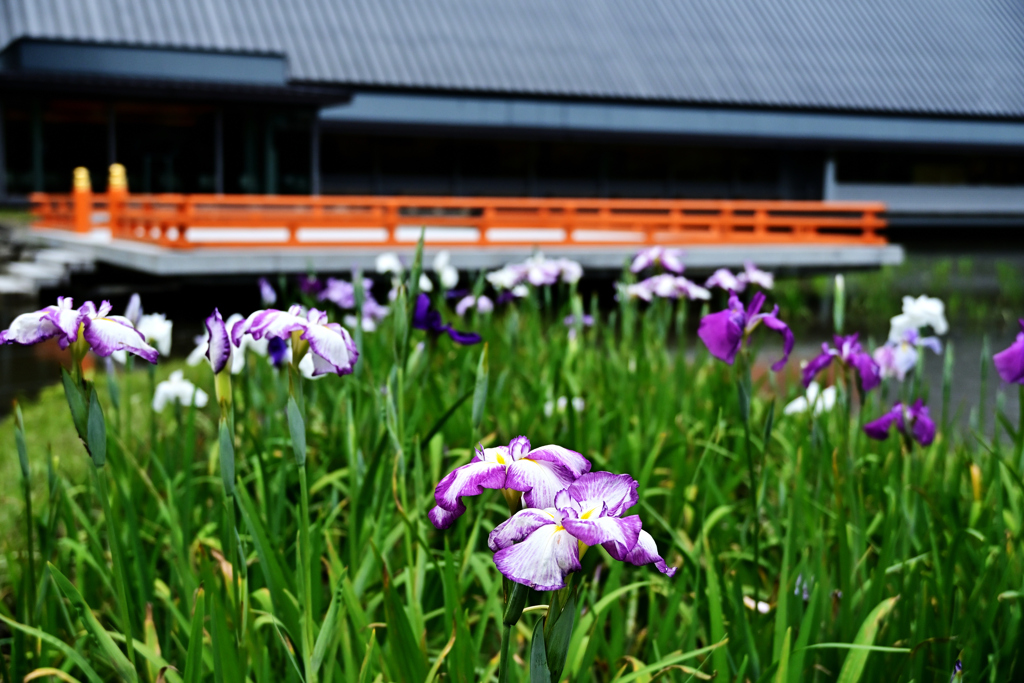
(178, 220)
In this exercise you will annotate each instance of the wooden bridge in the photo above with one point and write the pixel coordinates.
(228, 231)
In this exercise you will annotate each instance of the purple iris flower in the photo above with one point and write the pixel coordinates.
(277, 349)
(133, 311)
(427, 318)
(669, 259)
(267, 293)
(1010, 362)
(724, 278)
(218, 351)
(343, 293)
(540, 547)
(850, 353)
(914, 422)
(103, 332)
(724, 332)
(539, 474)
(309, 284)
(330, 344)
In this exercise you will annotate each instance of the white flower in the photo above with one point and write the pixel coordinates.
(520, 291)
(178, 389)
(571, 270)
(426, 285)
(759, 605)
(578, 404)
(389, 263)
(369, 324)
(482, 304)
(447, 273)
(917, 313)
(506, 277)
(822, 400)
(549, 408)
(562, 403)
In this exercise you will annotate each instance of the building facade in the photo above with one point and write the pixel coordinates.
(919, 104)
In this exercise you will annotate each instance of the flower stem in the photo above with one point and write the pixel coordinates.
(115, 555)
(506, 636)
(744, 388)
(307, 584)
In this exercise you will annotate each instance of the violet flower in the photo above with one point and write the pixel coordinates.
(218, 347)
(267, 293)
(586, 320)
(425, 317)
(897, 357)
(850, 353)
(724, 332)
(538, 474)
(669, 259)
(260, 347)
(60, 321)
(1010, 362)
(309, 284)
(913, 422)
(331, 346)
(279, 351)
(343, 293)
(540, 547)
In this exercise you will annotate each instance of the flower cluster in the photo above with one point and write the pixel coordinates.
(537, 271)
(665, 286)
(342, 294)
(724, 279)
(559, 508)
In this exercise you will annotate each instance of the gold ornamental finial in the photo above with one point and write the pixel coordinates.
(81, 180)
(118, 179)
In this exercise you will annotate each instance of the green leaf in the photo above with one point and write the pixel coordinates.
(782, 673)
(194, 656)
(227, 457)
(297, 429)
(855, 662)
(117, 658)
(405, 651)
(714, 593)
(480, 391)
(671, 659)
(97, 431)
(806, 626)
(57, 643)
(19, 440)
(557, 645)
(539, 671)
(444, 418)
(327, 632)
(76, 402)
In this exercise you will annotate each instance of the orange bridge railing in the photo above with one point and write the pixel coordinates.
(190, 221)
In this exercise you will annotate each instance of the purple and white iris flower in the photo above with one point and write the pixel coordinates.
(755, 276)
(1010, 362)
(331, 347)
(538, 474)
(850, 353)
(267, 293)
(199, 353)
(481, 304)
(896, 358)
(665, 286)
(219, 346)
(425, 317)
(816, 399)
(103, 332)
(133, 311)
(914, 422)
(669, 259)
(540, 547)
(724, 332)
(155, 328)
(537, 271)
(60, 321)
(724, 279)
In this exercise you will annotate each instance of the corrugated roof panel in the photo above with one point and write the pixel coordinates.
(950, 57)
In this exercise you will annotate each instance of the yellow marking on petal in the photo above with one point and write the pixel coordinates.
(499, 458)
(586, 515)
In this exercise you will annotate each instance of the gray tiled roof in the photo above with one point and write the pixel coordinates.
(949, 57)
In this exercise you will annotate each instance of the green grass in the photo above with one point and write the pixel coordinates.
(931, 569)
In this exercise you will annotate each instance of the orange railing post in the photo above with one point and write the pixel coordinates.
(117, 195)
(82, 198)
